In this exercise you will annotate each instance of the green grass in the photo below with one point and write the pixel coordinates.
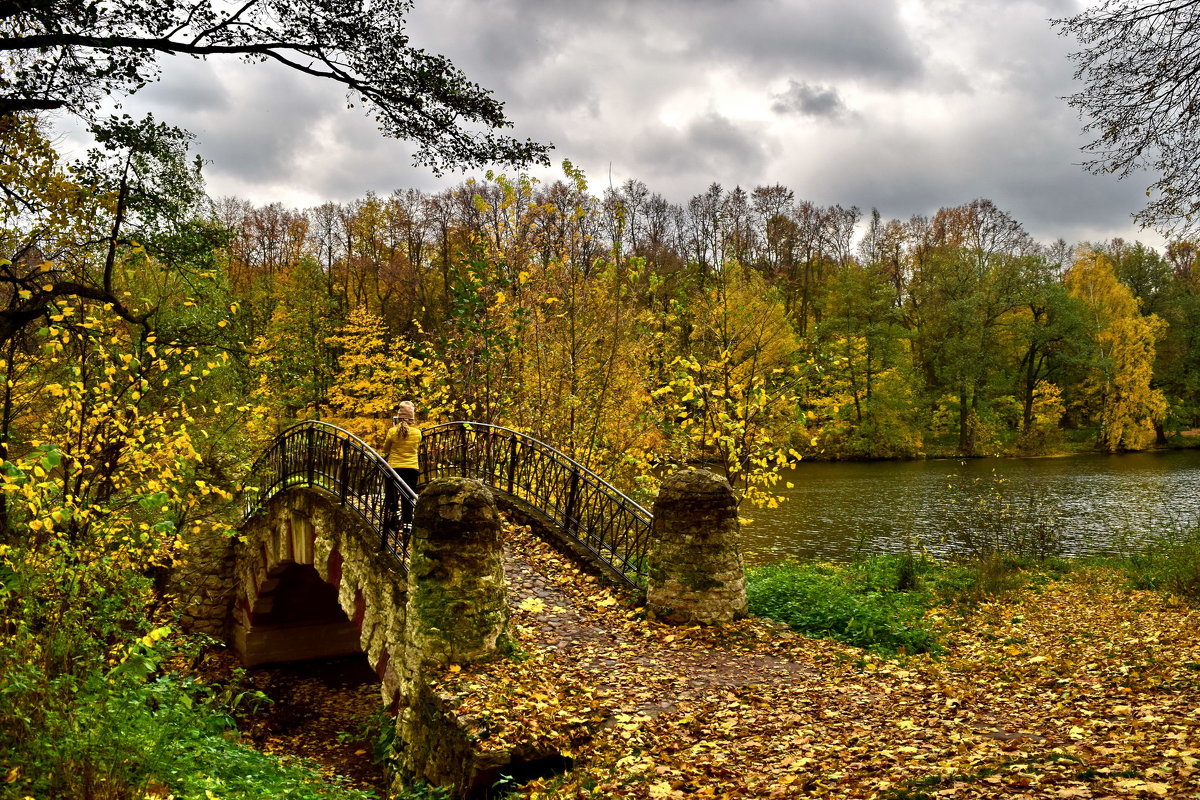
(877, 605)
(1170, 565)
(883, 603)
(128, 732)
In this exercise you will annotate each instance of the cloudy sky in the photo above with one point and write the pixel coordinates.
(901, 105)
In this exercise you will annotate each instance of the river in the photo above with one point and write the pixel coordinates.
(1095, 504)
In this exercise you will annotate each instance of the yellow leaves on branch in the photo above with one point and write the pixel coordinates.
(106, 469)
(736, 407)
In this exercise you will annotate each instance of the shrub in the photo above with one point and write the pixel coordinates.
(87, 710)
(126, 731)
(859, 606)
(989, 522)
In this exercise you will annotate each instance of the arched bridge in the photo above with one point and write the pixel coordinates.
(322, 565)
(610, 528)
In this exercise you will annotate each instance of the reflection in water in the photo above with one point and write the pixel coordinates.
(1102, 504)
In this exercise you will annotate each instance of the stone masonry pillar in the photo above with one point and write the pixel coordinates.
(457, 598)
(457, 613)
(694, 565)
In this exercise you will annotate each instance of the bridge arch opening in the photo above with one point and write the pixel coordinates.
(295, 616)
(313, 583)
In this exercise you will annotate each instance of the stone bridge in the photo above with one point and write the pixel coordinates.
(322, 567)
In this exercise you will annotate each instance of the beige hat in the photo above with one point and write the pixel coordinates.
(406, 412)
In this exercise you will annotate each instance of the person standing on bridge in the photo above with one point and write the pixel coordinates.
(400, 448)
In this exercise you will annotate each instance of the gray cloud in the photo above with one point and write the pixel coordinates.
(190, 87)
(711, 148)
(825, 39)
(258, 120)
(1028, 170)
(809, 100)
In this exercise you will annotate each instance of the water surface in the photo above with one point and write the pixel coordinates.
(1097, 504)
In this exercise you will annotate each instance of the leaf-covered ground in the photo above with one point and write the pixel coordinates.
(326, 713)
(1079, 688)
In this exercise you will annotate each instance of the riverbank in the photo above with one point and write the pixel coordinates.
(1071, 443)
(900, 605)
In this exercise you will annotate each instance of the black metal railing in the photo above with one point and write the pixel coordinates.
(586, 508)
(324, 457)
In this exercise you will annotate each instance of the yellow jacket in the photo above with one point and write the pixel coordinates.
(401, 451)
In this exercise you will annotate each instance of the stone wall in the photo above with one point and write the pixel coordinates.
(202, 583)
(309, 582)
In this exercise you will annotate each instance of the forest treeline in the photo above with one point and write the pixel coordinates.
(742, 328)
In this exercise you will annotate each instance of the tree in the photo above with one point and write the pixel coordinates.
(863, 404)
(1146, 272)
(72, 232)
(1045, 330)
(99, 500)
(1138, 63)
(1118, 387)
(64, 54)
(731, 402)
(376, 370)
(967, 272)
(292, 361)
(1177, 362)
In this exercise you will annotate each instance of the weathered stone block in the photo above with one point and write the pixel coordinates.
(457, 613)
(694, 565)
(457, 608)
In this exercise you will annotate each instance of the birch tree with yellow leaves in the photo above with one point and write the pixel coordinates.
(732, 402)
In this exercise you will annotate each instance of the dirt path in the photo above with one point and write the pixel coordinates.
(552, 604)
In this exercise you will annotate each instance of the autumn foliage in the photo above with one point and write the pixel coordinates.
(743, 330)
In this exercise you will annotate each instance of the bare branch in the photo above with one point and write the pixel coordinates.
(1140, 64)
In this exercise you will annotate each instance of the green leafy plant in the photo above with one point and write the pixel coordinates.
(129, 730)
(378, 732)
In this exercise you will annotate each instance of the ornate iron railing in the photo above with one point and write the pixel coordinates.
(324, 457)
(586, 508)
